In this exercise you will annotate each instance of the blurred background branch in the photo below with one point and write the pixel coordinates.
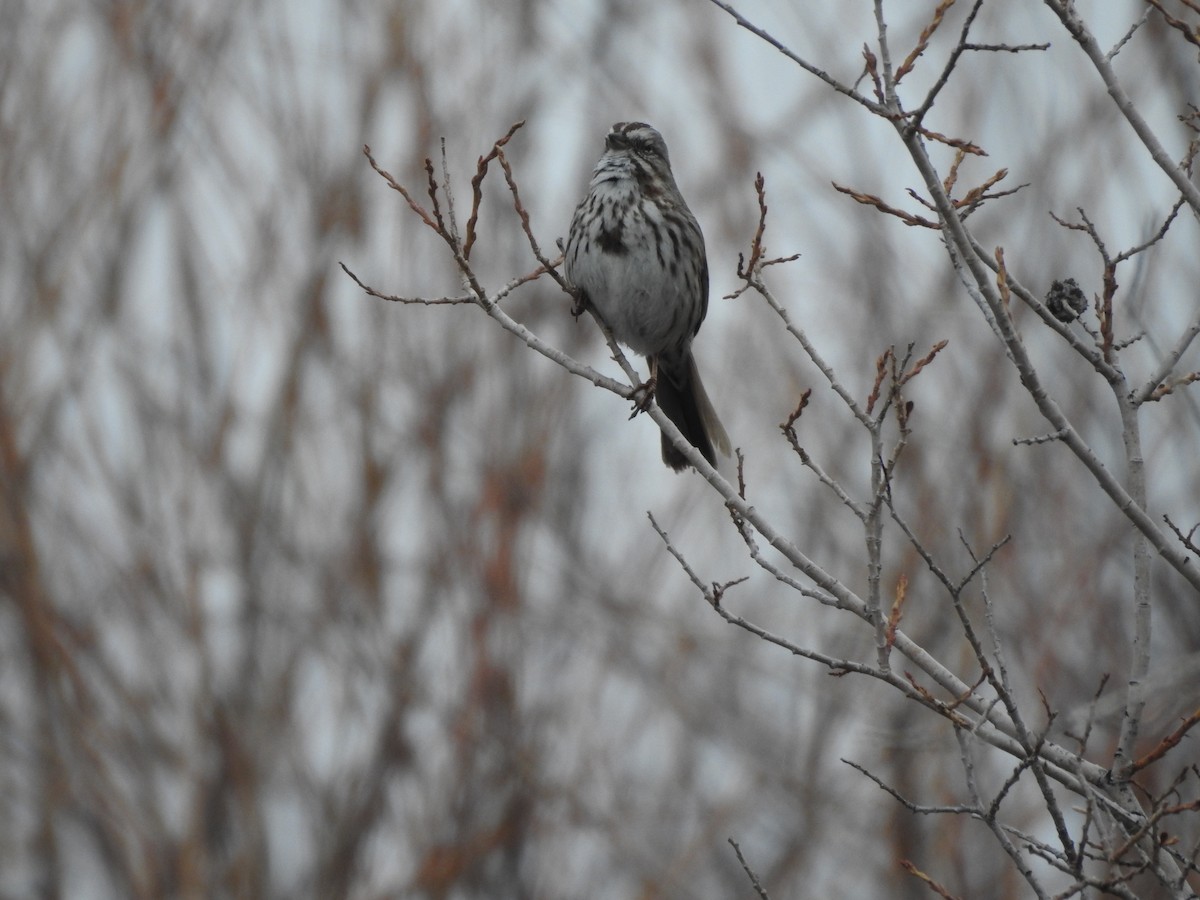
(303, 594)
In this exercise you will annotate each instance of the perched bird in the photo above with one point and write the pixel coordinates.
(636, 255)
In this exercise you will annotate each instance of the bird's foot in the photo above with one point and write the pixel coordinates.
(580, 303)
(643, 394)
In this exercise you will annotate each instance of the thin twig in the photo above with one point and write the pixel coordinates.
(802, 63)
(1190, 34)
(919, 115)
(549, 266)
(871, 200)
(922, 44)
(758, 889)
(1071, 20)
(1185, 539)
(477, 186)
(1166, 744)
(929, 880)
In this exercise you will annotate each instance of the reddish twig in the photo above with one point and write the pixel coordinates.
(431, 178)
(1190, 34)
(756, 247)
(1168, 386)
(957, 143)
(881, 370)
(1167, 744)
(548, 265)
(976, 194)
(397, 186)
(477, 186)
(871, 70)
(923, 41)
(952, 176)
(897, 611)
(943, 79)
(871, 200)
(748, 270)
(923, 361)
(789, 426)
(933, 885)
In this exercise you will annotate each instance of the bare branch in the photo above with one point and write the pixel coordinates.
(1039, 439)
(477, 186)
(929, 881)
(547, 265)
(1168, 387)
(1002, 834)
(758, 889)
(802, 63)
(1071, 20)
(911, 806)
(877, 202)
(1185, 539)
(943, 79)
(897, 611)
(1125, 39)
(756, 247)
(923, 40)
(1050, 410)
(810, 350)
(1006, 48)
(1167, 744)
(1191, 34)
(421, 301)
(925, 360)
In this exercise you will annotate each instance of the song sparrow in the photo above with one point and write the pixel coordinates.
(636, 255)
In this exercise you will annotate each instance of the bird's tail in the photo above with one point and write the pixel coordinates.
(682, 397)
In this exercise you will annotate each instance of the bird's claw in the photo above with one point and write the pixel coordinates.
(579, 304)
(643, 394)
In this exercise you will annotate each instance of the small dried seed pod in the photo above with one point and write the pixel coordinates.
(1065, 300)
